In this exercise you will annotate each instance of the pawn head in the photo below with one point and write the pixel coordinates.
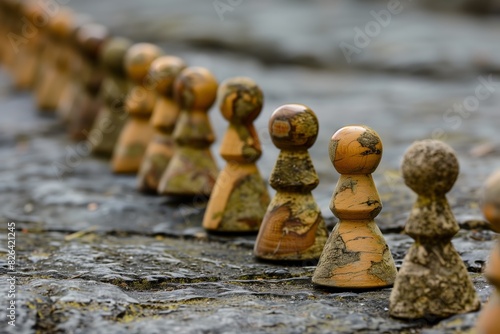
(490, 201)
(293, 127)
(61, 25)
(240, 99)
(113, 54)
(355, 149)
(138, 59)
(162, 73)
(195, 88)
(430, 167)
(91, 38)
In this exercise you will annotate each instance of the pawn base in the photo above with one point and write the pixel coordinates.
(158, 155)
(293, 229)
(355, 256)
(433, 282)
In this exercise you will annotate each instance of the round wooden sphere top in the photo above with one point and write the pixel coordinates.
(34, 12)
(355, 149)
(113, 54)
(138, 59)
(61, 25)
(240, 99)
(195, 88)
(162, 73)
(91, 37)
(490, 201)
(430, 167)
(293, 127)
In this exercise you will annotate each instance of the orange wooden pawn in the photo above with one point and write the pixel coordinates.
(192, 170)
(489, 318)
(53, 75)
(293, 228)
(240, 197)
(162, 74)
(137, 132)
(356, 254)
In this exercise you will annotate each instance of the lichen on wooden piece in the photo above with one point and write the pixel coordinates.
(240, 198)
(293, 228)
(139, 104)
(356, 254)
(433, 280)
(192, 170)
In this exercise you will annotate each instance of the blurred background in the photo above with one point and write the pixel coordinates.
(409, 69)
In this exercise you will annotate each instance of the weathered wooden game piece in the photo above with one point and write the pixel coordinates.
(112, 116)
(73, 92)
(489, 318)
(27, 47)
(90, 37)
(52, 77)
(192, 170)
(162, 74)
(433, 280)
(11, 30)
(139, 104)
(356, 254)
(293, 228)
(240, 198)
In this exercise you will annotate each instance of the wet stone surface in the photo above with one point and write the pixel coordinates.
(96, 256)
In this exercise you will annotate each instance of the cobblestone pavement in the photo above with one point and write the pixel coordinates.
(95, 256)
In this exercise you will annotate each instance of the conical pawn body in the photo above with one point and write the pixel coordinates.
(161, 148)
(433, 280)
(136, 133)
(242, 200)
(356, 254)
(192, 170)
(114, 88)
(293, 228)
(111, 117)
(489, 318)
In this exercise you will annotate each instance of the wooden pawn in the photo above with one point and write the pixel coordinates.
(489, 318)
(112, 116)
(356, 254)
(139, 104)
(161, 77)
(433, 280)
(240, 197)
(293, 228)
(192, 170)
